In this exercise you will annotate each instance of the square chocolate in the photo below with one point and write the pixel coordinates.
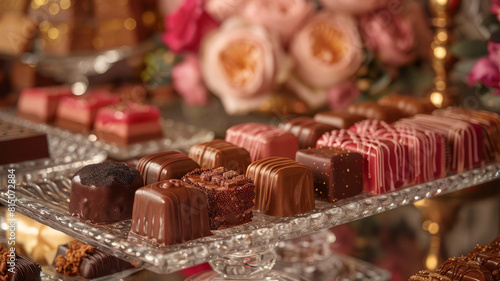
(164, 166)
(306, 129)
(219, 153)
(338, 173)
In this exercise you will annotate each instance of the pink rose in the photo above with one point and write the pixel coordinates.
(485, 71)
(281, 16)
(495, 7)
(341, 96)
(390, 36)
(353, 7)
(223, 9)
(313, 97)
(185, 28)
(327, 49)
(494, 51)
(188, 82)
(241, 62)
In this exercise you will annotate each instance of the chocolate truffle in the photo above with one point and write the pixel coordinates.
(338, 173)
(263, 141)
(18, 144)
(283, 187)
(40, 104)
(461, 269)
(426, 275)
(24, 269)
(170, 212)
(164, 166)
(385, 160)
(230, 195)
(128, 123)
(372, 110)
(408, 105)
(79, 259)
(489, 257)
(219, 153)
(104, 192)
(306, 130)
(338, 119)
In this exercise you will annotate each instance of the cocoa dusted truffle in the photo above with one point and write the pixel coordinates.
(219, 153)
(164, 166)
(104, 192)
(230, 195)
(283, 187)
(306, 130)
(14, 267)
(170, 212)
(338, 173)
(79, 259)
(461, 269)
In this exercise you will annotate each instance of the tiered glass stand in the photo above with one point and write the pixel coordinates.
(243, 252)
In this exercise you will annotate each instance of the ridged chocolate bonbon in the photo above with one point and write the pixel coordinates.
(170, 212)
(338, 119)
(230, 195)
(338, 173)
(283, 187)
(306, 130)
(373, 110)
(489, 257)
(15, 267)
(219, 153)
(164, 166)
(104, 192)
(263, 141)
(408, 105)
(80, 259)
(461, 269)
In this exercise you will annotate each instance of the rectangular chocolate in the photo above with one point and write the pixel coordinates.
(219, 153)
(230, 195)
(338, 173)
(283, 187)
(338, 119)
(170, 212)
(408, 105)
(372, 110)
(18, 144)
(306, 130)
(164, 166)
(15, 267)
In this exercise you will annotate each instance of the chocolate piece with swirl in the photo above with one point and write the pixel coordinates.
(164, 166)
(170, 212)
(461, 269)
(283, 187)
(230, 195)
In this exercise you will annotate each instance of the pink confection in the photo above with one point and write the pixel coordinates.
(263, 141)
(384, 159)
(463, 139)
(40, 104)
(128, 123)
(78, 113)
(425, 150)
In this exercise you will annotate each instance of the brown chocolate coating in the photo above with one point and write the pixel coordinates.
(462, 270)
(170, 212)
(18, 144)
(338, 119)
(372, 110)
(306, 130)
(283, 187)
(426, 275)
(104, 192)
(496, 242)
(230, 195)
(489, 257)
(219, 153)
(25, 269)
(90, 263)
(164, 166)
(408, 105)
(338, 173)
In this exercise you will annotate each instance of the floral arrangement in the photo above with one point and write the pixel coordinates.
(325, 53)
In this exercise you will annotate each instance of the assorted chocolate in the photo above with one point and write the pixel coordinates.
(230, 195)
(219, 153)
(18, 144)
(170, 212)
(164, 166)
(79, 259)
(15, 267)
(104, 192)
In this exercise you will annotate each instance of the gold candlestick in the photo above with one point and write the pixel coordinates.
(442, 60)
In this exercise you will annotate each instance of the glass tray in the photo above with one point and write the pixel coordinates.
(49, 273)
(177, 136)
(67, 155)
(47, 202)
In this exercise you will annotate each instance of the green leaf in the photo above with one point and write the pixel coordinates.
(470, 49)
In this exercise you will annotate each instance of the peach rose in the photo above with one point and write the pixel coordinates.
(241, 62)
(353, 7)
(327, 50)
(281, 16)
(223, 9)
